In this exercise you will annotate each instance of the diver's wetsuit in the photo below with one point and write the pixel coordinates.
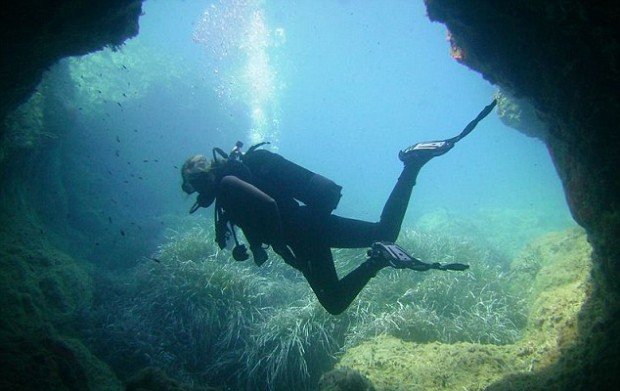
(311, 235)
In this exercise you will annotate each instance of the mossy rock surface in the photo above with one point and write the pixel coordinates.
(552, 261)
(39, 284)
(556, 288)
(392, 364)
(42, 290)
(52, 363)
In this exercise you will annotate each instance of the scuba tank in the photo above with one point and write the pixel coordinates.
(314, 190)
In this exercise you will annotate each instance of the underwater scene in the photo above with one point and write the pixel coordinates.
(110, 283)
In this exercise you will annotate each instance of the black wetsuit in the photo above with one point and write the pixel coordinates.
(266, 216)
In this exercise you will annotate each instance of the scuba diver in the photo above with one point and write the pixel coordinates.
(260, 192)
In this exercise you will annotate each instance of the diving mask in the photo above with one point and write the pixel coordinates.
(198, 177)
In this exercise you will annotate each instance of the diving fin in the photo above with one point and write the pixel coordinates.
(428, 149)
(394, 255)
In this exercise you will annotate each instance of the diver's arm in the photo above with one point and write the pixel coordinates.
(251, 209)
(245, 204)
(256, 213)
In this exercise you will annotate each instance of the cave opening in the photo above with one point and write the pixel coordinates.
(120, 122)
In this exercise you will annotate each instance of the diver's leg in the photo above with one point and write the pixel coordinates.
(342, 232)
(334, 295)
(309, 238)
(349, 233)
(396, 205)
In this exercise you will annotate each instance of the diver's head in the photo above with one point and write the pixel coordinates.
(199, 176)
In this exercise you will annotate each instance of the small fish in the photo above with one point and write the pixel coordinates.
(41, 231)
(176, 167)
(125, 95)
(135, 130)
(110, 219)
(119, 104)
(156, 161)
(153, 259)
(109, 172)
(126, 181)
(118, 139)
(117, 153)
(124, 67)
(122, 233)
(145, 161)
(140, 178)
(99, 91)
(96, 243)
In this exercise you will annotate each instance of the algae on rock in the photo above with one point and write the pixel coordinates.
(558, 269)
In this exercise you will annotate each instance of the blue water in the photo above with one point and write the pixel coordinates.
(337, 86)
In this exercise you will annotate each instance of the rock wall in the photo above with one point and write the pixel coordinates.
(43, 288)
(562, 57)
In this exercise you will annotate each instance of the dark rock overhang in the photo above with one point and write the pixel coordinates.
(562, 57)
(36, 34)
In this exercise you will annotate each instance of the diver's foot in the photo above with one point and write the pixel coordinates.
(420, 153)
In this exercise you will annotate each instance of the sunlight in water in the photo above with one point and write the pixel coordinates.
(238, 42)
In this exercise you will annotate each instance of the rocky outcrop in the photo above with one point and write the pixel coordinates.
(520, 114)
(562, 57)
(552, 277)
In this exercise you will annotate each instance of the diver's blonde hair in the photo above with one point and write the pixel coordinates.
(193, 168)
